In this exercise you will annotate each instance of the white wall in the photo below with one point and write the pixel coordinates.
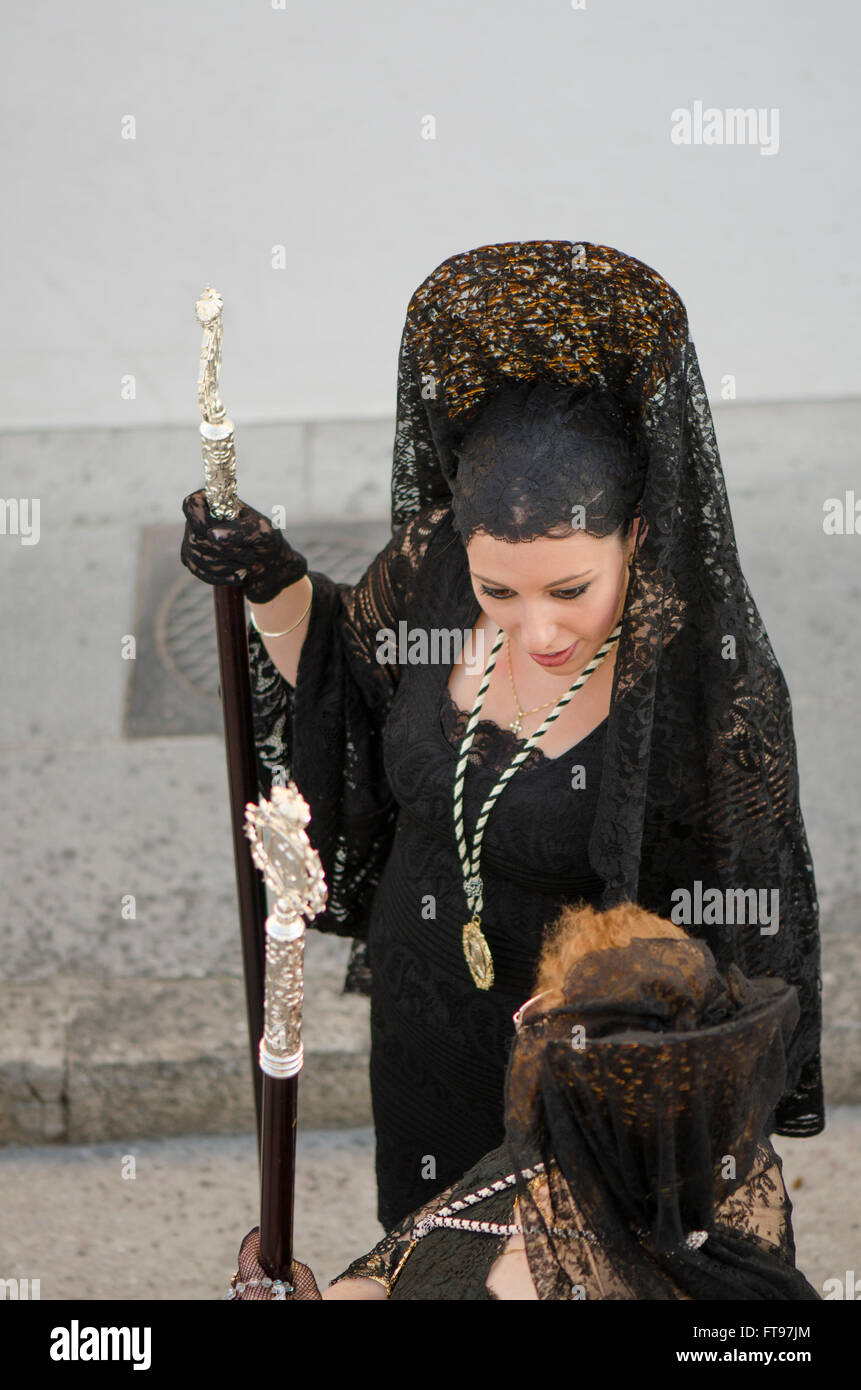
(257, 126)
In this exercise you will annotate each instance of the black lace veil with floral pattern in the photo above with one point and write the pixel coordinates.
(700, 779)
(646, 1096)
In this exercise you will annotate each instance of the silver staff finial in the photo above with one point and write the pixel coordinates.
(219, 455)
(292, 870)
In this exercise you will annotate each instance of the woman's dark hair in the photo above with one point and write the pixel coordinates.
(548, 459)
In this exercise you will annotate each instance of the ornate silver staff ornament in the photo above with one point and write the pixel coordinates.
(292, 871)
(291, 868)
(216, 431)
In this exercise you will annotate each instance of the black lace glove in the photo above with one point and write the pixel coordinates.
(251, 1284)
(247, 551)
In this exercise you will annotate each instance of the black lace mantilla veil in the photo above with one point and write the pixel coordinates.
(700, 776)
(650, 1128)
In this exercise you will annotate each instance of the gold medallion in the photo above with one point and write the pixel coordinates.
(477, 953)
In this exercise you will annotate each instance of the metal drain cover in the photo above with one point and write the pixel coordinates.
(173, 680)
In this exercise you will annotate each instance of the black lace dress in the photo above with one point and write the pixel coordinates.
(373, 747)
(439, 1046)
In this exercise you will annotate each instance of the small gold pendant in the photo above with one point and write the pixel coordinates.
(477, 953)
(515, 726)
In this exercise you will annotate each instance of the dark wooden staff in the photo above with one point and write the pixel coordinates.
(292, 870)
(219, 466)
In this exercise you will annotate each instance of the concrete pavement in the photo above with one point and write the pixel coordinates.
(71, 1219)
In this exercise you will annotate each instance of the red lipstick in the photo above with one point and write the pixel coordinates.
(555, 658)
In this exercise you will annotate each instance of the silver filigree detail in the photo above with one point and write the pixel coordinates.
(281, 1050)
(209, 309)
(284, 854)
(473, 888)
(291, 868)
(216, 431)
(219, 472)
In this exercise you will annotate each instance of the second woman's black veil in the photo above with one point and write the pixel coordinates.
(650, 1124)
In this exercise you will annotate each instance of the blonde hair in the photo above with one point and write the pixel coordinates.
(579, 930)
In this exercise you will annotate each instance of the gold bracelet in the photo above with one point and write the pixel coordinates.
(287, 629)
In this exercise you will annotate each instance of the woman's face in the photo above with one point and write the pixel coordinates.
(558, 598)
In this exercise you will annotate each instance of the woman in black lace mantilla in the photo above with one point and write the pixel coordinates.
(562, 564)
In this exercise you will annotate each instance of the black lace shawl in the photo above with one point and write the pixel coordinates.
(700, 780)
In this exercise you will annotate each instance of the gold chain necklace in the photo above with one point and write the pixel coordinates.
(517, 724)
